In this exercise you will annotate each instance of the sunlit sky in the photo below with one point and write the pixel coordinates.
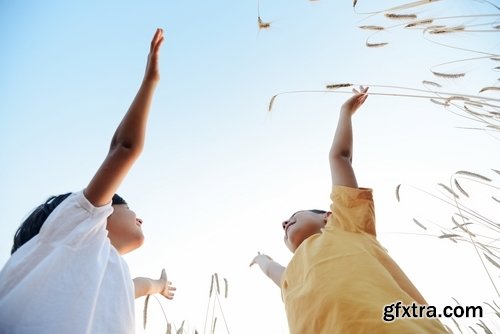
(219, 173)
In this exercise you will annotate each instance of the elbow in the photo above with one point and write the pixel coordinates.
(340, 155)
(128, 148)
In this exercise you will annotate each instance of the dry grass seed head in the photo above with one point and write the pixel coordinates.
(213, 327)
(449, 236)
(400, 16)
(371, 27)
(476, 113)
(448, 75)
(474, 104)
(145, 312)
(497, 89)
(419, 224)
(461, 226)
(419, 23)
(446, 104)
(459, 187)
(448, 189)
(336, 86)
(262, 24)
(217, 283)
(492, 261)
(181, 329)
(446, 30)
(376, 45)
(471, 174)
(271, 103)
(432, 83)
(457, 98)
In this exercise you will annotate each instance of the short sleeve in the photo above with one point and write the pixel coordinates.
(75, 221)
(352, 210)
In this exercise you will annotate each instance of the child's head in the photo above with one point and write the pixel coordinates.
(301, 225)
(124, 228)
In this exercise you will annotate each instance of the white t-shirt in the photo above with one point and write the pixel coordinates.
(68, 278)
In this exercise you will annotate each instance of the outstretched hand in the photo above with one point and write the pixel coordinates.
(152, 67)
(168, 290)
(259, 258)
(350, 106)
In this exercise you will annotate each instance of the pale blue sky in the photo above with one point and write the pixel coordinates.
(219, 173)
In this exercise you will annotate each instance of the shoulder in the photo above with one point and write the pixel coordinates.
(344, 193)
(352, 209)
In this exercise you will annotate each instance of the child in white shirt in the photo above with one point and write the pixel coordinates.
(66, 273)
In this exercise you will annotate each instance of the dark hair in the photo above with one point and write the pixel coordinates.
(317, 211)
(311, 210)
(31, 226)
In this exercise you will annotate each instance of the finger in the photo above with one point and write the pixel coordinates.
(361, 89)
(158, 45)
(155, 38)
(355, 91)
(163, 274)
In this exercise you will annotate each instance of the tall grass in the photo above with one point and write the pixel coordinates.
(214, 310)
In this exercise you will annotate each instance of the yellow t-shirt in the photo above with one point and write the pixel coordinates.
(340, 280)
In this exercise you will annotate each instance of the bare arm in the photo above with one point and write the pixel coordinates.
(341, 151)
(147, 286)
(128, 141)
(271, 268)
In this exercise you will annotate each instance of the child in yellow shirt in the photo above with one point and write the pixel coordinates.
(340, 279)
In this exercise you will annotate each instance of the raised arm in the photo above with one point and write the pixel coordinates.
(271, 268)
(128, 141)
(341, 151)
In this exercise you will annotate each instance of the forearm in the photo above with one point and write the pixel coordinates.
(146, 286)
(273, 270)
(342, 141)
(131, 132)
(341, 153)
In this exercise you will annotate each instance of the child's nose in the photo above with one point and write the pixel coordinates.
(284, 224)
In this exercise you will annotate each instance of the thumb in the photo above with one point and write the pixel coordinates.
(163, 275)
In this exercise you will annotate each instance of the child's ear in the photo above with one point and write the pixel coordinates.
(327, 214)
